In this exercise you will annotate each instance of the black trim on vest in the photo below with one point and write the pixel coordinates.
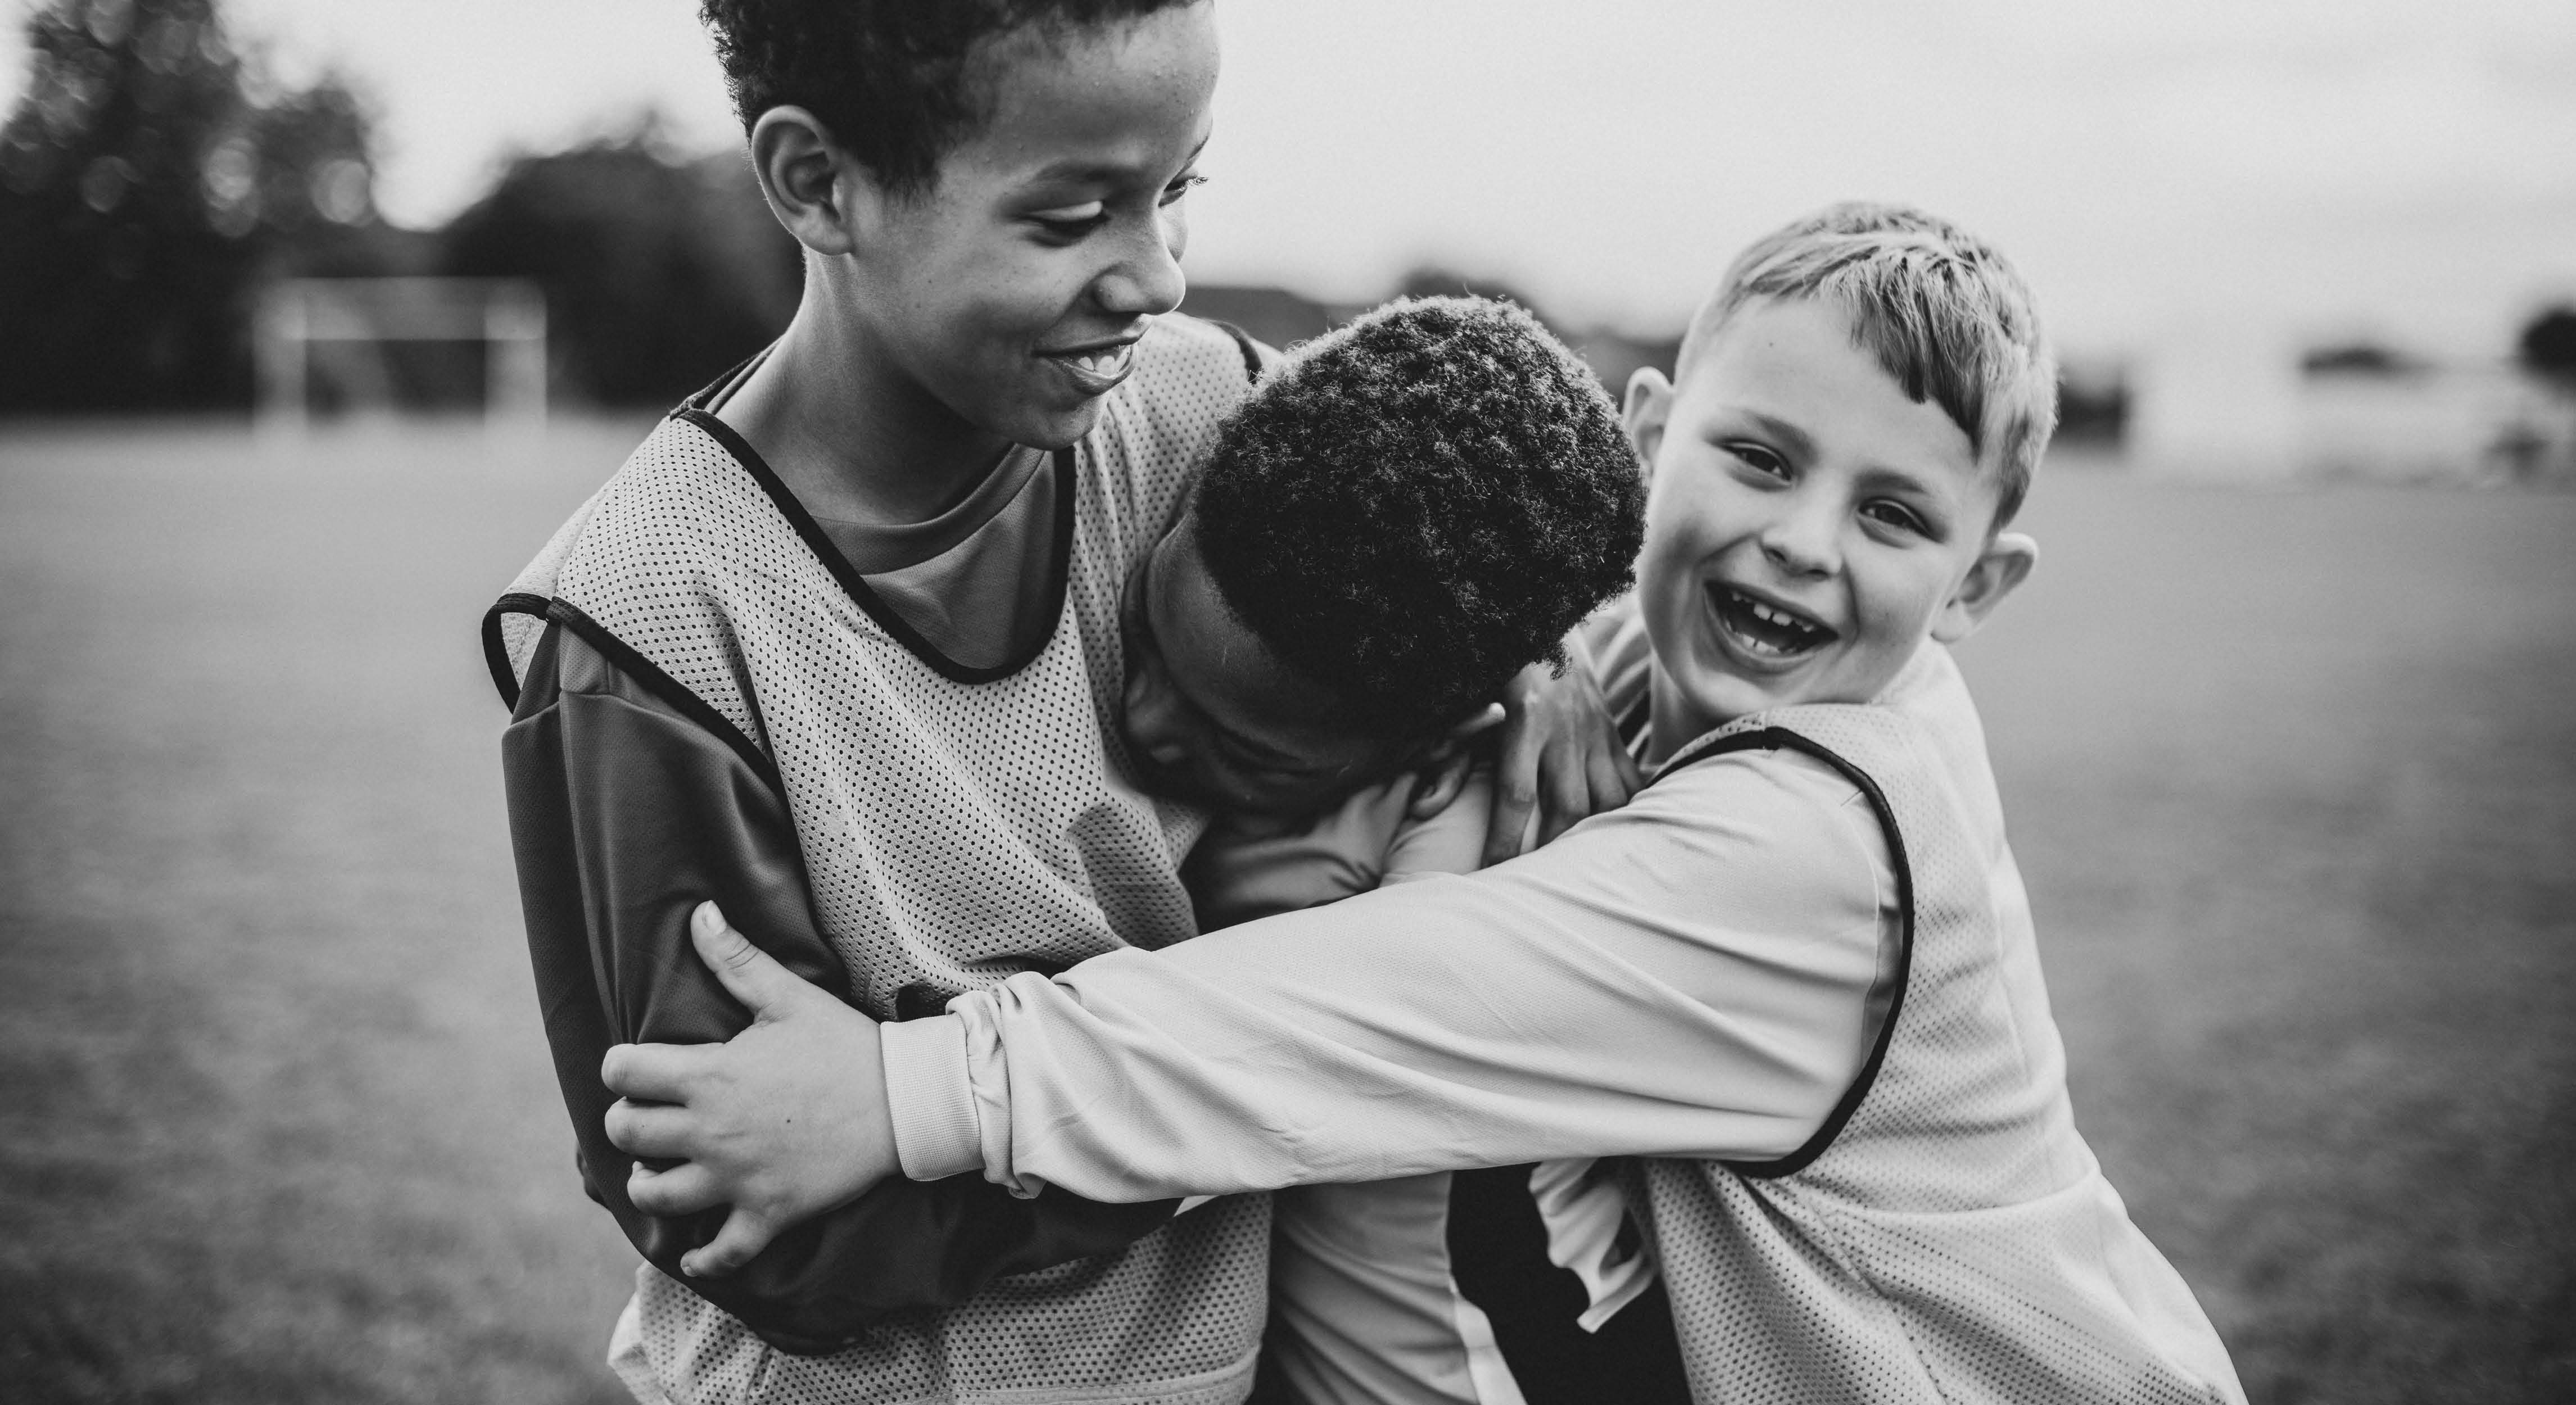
(496, 652)
(1243, 344)
(1067, 485)
(623, 657)
(1773, 739)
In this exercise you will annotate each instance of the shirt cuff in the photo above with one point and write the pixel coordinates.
(936, 1131)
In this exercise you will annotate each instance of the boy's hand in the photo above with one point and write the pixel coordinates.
(782, 1122)
(1561, 756)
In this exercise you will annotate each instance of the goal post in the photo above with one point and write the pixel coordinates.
(507, 315)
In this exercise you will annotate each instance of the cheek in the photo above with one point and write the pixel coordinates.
(1897, 598)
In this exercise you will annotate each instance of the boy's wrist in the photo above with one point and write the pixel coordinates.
(930, 1099)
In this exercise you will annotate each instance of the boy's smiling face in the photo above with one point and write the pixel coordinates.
(1809, 524)
(1012, 292)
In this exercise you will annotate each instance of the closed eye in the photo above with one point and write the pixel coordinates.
(1071, 221)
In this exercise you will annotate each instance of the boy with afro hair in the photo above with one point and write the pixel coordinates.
(851, 714)
(1406, 512)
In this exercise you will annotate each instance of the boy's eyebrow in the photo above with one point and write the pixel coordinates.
(1791, 437)
(1079, 168)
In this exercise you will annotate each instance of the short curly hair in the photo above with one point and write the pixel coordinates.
(1416, 506)
(891, 79)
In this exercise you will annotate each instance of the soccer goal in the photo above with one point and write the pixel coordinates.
(339, 329)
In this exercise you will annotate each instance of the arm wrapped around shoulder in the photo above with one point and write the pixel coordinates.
(628, 808)
(1692, 976)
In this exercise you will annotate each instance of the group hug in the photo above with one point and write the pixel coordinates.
(1070, 855)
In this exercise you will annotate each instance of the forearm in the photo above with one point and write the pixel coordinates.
(1637, 988)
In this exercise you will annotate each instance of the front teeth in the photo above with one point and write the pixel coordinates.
(1102, 363)
(1768, 615)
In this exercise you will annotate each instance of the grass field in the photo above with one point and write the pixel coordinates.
(2293, 777)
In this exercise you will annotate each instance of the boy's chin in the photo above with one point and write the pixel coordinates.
(1723, 695)
(1054, 427)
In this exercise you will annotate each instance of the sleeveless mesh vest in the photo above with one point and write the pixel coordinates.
(955, 831)
(1947, 1237)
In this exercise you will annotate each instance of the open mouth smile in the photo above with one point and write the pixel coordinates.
(1095, 370)
(1764, 630)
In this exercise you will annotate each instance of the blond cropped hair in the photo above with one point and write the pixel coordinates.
(1940, 309)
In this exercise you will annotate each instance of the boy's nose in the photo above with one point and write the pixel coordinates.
(1147, 280)
(1800, 541)
(1154, 720)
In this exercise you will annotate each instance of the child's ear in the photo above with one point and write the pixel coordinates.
(1648, 404)
(811, 184)
(2003, 565)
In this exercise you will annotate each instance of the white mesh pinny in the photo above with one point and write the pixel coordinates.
(954, 833)
(1956, 1241)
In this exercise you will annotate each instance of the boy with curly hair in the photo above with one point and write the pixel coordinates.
(1796, 979)
(723, 655)
(841, 645)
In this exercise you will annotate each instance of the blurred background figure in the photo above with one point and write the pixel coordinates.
(2292, 770)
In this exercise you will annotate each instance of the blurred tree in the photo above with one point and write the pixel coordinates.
(2548, 345)
(659, 272)
(142, 190)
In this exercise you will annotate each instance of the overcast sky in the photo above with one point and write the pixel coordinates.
(2166, 173)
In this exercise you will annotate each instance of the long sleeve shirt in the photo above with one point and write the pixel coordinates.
(1697, 975)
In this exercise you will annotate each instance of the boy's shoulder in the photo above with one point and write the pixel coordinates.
(1917, 747)
(1158, 426)
(1190, 374)
(679, 501)
(684, 489)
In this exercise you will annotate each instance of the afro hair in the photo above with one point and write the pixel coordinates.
(890, 79)
(1418, 505)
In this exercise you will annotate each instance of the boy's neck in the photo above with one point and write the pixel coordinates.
(851, 436)
(1672, 720)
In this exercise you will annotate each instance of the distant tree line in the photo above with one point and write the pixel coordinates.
(152, 181)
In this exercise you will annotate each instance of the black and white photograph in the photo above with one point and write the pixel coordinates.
(1287, 702)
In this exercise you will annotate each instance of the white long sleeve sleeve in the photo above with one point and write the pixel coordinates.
(1690, 976)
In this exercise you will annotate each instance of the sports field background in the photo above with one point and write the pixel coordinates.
(2292, 775)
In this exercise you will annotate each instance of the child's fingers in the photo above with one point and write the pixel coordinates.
(1614, 779)
(658, 1131)
(684, 1189)
(1513, 803)
(745, 1234)
(655, 1073)
(1566, 782)
(749, 974)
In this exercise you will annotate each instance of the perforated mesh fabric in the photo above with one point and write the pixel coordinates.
(954, 834)
(1956, 1242)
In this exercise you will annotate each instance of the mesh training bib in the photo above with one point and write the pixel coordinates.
(1948, 1237)
(956, 830)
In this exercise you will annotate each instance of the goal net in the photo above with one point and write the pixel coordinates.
(341, 341)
